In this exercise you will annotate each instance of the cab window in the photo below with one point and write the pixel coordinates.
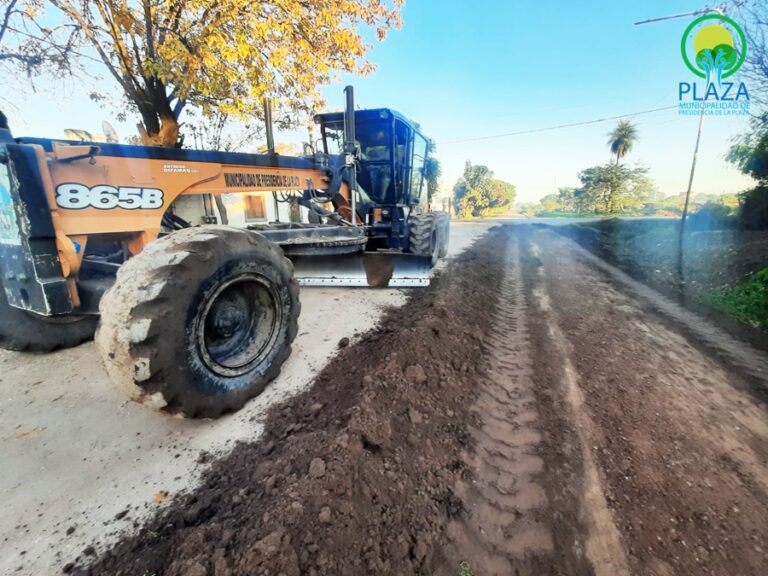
(417, 165)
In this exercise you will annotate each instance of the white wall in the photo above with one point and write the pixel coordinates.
(236, 210)
(191, 208)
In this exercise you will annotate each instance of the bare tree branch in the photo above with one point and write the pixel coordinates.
(72, 12)
(9, 11)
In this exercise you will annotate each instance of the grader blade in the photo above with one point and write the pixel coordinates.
(328, 255)
(375, 269)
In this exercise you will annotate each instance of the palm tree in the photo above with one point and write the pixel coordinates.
(622, 138)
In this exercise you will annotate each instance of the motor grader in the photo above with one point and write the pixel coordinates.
(196, 320)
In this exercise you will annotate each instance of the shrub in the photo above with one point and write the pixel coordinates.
(754, 208)
(747, 301)
(711, 216)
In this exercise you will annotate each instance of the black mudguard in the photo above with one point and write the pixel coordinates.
(29, 261)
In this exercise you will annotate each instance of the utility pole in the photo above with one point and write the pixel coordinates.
(681, 238)
(688, 195)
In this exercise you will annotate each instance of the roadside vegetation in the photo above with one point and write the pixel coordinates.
(722, 267)
(749, 153)
(478, 194)
(747, 301)
(608, 189)
(565, 204)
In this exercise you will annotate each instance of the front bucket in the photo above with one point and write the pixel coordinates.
(376, 269)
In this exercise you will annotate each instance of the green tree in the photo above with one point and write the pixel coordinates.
(612, 189)
(550, 203)
(219, 55)
(473, 175)
(749, 153)
(478, 194)
(622, 138)
(566, 198)
(432, 172)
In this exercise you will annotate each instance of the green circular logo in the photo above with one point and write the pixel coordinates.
(713, 47)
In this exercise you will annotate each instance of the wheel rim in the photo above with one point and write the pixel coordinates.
(238, 324)
(435, 248)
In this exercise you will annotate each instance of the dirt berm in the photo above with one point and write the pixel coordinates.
(355, 476)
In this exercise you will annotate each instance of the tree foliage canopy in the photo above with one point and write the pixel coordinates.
(433, 169)
(612, 189)
(608, 189)
(477, 193)
(749, 152)
(432, 172)
(622, 138)
(223, 55)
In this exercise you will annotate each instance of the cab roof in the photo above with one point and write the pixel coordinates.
(335, 120)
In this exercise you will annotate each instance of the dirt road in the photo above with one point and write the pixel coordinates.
(609, 442)
(75, 454)
(533, 412)
(673, 443)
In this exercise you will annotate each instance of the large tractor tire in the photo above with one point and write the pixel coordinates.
(424, 239)
(200, 321)
(444, 226)
(429, 235)
(25, 331)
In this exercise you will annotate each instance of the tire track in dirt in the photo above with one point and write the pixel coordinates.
(506, 528)
(676, 434)
(604, 548)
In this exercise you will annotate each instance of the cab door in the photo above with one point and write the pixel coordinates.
(418, 159)
(410, 153)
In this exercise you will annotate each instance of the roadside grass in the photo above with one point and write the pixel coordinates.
(747, 301)
(559, 214)
(465, 569)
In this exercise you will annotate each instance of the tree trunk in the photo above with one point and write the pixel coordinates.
(221, 208)
(162, 133)
(295, 214)
(160, 125)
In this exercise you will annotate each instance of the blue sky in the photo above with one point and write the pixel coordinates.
(466, 69)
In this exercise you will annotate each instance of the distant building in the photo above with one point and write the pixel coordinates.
(242, 209)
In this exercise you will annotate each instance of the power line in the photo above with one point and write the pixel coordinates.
(558, 127)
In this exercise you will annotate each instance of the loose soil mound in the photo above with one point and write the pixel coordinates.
(355, 476)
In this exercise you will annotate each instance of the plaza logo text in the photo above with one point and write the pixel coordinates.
(714, 48)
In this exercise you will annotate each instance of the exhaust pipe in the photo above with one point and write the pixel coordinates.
(268, 125)
(350, 147)
(349, 120)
